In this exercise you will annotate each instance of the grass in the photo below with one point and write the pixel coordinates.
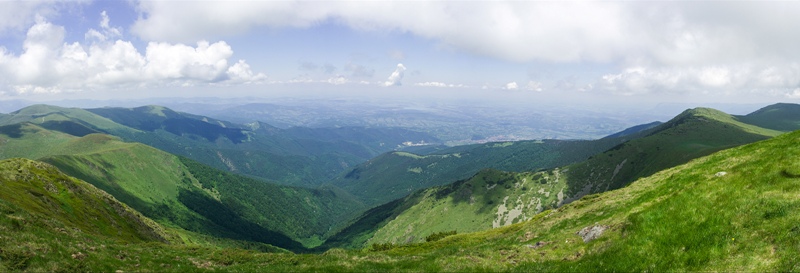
(493, 198)
(685, 218)
(394, 175)
(153, 182)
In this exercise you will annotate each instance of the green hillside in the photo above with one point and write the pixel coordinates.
(182, 193)
(40, 207)
(198, 198)
(74, 121)
(397, 174)
(492, 198)
(295, 156)
(781, 117)
(52, 222)
(735, 210)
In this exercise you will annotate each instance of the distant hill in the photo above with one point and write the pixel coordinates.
(781, 117)
(396, 174)
(494, 198)
(294, 156)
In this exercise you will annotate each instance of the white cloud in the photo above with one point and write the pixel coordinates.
(48, 65)
(511, 86)
(106, 31)
(17, 15)
(719, 79)
(431, 84)
(680, 44)
(664, 32)
(396, 77)
(794, 94)
(534, 86)
(337, 80)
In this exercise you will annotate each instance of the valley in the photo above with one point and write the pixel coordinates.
(381, 209)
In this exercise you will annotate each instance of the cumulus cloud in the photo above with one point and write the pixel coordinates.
(48, 64)
(513, 30)
(337, 80)
(511, 86)
(106, 31)
(396, 77)
(676, 42)
(17, 15)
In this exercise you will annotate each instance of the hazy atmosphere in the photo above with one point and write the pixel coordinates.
(604, 53)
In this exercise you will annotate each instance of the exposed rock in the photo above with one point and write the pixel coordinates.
(590, 233)
(720, 174)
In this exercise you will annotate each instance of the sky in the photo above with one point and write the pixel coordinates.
(603, 52)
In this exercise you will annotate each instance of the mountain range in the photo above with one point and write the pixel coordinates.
(149, 188)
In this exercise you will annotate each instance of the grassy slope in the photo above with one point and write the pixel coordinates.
(178, 192)
(397, 174)
(688, 218)
(296, 156)
(781, 116)
(493, 198)
(51, 222)
(205, 200)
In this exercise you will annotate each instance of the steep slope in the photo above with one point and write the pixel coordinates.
(52, 222)
(735, 210)
(397, 174)
(183, 193)
(205, 200)
(493, 199)
(42, 189)
(46, 215)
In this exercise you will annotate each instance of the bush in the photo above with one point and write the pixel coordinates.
(439, 235)
(382, 247)
(15, 260)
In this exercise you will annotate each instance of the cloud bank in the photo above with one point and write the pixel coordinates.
(659, 46)
(49, 65)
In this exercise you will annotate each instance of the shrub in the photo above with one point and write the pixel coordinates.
(439, 235)
(381, 247)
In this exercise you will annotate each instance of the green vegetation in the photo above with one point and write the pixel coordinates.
(781, 117)
(735, 210)
(181, 193)
(295, 156)
(492, 199)
(397, 174)
(439, 235)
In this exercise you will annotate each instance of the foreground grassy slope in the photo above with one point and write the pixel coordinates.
(735, 210)
(52, 222)
(182, 193)
(492, 198)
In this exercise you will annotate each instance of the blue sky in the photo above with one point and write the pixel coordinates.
(519, 51)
